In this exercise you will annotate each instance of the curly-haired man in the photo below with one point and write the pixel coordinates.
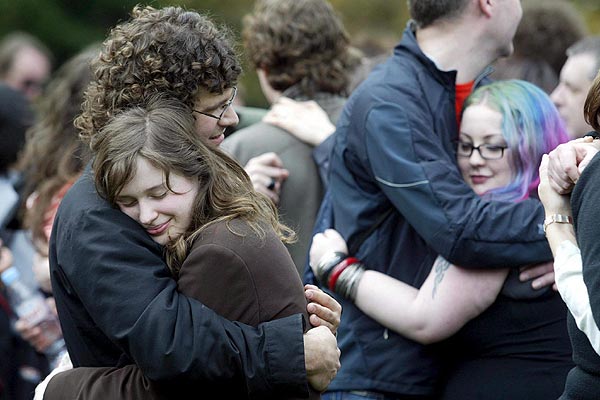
(301, 51)
(116, 299)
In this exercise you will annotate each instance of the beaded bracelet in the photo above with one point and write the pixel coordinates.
(337, 270)
(347, 282)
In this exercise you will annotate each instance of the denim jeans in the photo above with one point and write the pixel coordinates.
(353, 395)
(364, 395)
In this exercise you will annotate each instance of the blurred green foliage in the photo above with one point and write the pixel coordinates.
(67, 26)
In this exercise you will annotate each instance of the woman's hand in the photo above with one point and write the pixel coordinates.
(306, 120)
(267, 174)
(324, 310)
(553, 202)
(43, 334)
(326, 243)
(568, 160)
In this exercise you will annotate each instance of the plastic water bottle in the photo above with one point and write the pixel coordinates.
(30, 305)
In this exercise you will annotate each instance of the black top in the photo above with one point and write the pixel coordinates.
(488, 357)
(584, 381)
(118, 304)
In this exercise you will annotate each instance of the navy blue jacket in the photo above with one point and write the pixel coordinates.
(118, 304)
(394, 147)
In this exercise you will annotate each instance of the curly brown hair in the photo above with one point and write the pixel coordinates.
(53, 154)
(299, 42)
(168, 50)
(163, 133)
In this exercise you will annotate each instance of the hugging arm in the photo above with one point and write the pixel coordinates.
(448, 299)
(427, 189)
(278, 344)
(306, 120)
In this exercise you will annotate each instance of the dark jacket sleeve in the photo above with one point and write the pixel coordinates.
(108, 262)
(426, 187)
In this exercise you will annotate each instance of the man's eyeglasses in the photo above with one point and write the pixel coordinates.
(486, 151)
(224, 107)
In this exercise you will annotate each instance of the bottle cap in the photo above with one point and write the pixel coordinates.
(9, 275)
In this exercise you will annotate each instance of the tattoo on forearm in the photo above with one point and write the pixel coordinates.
(440, 266)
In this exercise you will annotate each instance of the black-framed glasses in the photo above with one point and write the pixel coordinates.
(486, 151)
(225, 107)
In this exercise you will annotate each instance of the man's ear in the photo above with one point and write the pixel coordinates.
(486, 7)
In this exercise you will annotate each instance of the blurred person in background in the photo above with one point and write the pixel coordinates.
(25, 63)
(576, 78)
(21, 367)
(54, 155)
(16, 116)
(301, 51)
(52, 159)
(546, 30)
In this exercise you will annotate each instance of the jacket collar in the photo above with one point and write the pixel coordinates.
(447, 78)
(409, 44)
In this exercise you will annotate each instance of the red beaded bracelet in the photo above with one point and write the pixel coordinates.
(337, 270)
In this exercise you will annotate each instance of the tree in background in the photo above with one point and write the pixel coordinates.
(68, 26)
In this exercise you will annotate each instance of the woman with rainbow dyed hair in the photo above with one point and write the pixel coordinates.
(530, 126)
(500, 345)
